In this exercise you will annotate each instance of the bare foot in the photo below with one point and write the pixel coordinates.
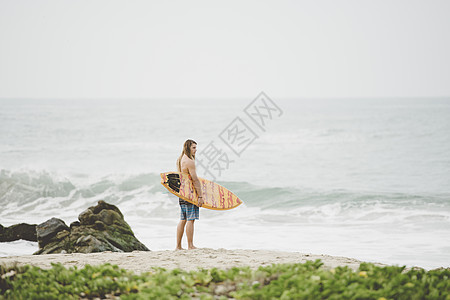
(179, 248)
(192, 248)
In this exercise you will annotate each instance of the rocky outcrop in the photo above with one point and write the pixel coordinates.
(48, 230)
(100, 228)
(16, 232)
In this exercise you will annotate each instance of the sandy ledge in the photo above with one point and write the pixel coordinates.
(141, 261)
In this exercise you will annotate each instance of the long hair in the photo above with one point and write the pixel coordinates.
(187, 151)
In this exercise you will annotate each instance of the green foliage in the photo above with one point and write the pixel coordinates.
(287, 281)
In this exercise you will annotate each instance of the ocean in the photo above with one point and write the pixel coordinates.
(361, 178)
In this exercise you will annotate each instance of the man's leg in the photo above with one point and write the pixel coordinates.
(190, 234)
(180, 231)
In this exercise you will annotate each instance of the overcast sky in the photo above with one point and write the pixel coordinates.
(219, 49)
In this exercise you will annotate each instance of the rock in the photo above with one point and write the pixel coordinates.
(103, 205)
(75, 223)
(84, 217)
(91, 243)
(100, 228)
(16, 232)
(53, 247)
(62, 234)
(109, 216)
(100, 225)
(47, 230)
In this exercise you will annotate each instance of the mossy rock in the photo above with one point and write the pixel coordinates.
(100, 228)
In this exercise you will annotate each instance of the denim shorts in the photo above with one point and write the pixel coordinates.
(189, 212)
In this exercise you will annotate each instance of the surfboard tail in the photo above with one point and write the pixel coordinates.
(171, 180)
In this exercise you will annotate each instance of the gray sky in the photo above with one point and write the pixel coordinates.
(152, 49)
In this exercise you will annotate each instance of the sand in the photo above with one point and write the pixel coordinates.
(141, 261)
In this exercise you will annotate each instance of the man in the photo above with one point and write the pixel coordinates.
(189, 212)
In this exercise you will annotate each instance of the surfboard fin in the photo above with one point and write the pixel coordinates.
(174, 182)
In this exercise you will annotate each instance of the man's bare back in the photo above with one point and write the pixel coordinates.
(188, 166)
(184, 164)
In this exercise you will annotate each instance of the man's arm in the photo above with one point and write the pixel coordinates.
(195, 181)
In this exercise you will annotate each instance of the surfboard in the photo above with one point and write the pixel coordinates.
(215, 196)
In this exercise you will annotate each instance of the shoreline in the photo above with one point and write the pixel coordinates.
(206, 258)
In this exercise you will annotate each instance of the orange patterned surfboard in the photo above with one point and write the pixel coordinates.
(215, 196)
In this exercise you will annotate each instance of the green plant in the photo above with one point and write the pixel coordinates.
(284, 281)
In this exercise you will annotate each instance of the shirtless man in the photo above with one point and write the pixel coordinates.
(189, 212)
